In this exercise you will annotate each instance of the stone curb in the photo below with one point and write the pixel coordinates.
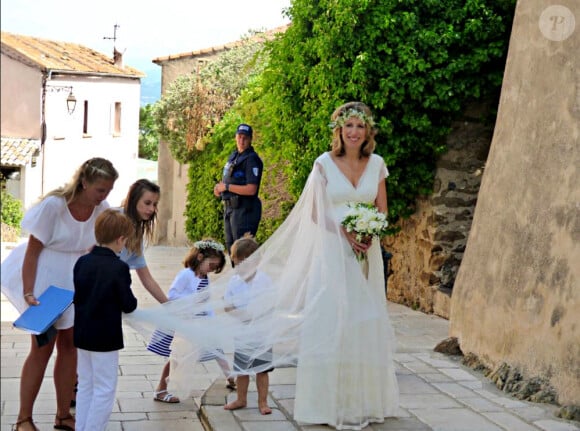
(211, 410)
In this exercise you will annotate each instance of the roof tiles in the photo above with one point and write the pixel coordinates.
(18, 151)
(61, 56)
(260, 36)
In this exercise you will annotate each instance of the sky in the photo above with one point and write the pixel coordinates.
(147, 28)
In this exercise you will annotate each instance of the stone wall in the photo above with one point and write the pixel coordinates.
(428, 250)
(516, 298)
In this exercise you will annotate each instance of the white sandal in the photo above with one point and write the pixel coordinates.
(167, 398)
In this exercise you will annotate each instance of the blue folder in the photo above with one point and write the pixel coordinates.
(37, 319)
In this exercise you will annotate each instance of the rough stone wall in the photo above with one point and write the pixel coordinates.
(428, 250)
(516, 298)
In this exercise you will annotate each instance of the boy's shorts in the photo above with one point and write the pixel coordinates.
(244, 362)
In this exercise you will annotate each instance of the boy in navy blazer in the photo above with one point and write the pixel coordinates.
(102, 293)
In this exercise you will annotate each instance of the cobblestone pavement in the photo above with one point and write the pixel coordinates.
(437, 392)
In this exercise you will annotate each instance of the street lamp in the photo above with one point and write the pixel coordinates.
(71, 100)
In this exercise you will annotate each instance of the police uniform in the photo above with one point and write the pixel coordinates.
(242, 214)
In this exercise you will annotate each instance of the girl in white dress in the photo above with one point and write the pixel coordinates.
(238, 296)
(206, 256)
(61, 228)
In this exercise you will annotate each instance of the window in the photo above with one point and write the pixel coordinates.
(86, 118)
(117, 119)
(201, 63)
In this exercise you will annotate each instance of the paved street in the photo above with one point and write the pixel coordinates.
(437, 392)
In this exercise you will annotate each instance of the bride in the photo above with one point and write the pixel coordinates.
(325, 311)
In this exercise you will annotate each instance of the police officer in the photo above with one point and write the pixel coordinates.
(239, 188)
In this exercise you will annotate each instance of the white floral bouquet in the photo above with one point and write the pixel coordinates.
(366, 221)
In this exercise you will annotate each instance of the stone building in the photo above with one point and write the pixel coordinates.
(429, 248)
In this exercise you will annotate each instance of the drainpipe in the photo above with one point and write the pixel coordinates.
(45, 77)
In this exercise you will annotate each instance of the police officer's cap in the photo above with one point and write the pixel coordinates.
(244, 129)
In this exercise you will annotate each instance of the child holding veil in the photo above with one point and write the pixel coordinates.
(206, 256)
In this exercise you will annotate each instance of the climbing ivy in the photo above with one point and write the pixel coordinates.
(195, 102)
(416, 63)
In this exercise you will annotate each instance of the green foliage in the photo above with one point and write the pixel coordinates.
(12, 212)
(203, 210)
(415, 63)
(148, 134)
(194, 103)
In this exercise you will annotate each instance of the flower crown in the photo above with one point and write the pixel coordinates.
(352, 112)
(208, 243)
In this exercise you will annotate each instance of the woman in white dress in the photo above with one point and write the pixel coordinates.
(324, 313)
(61, 228)
(353, 383)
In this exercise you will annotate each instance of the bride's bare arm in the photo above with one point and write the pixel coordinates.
(381, 199)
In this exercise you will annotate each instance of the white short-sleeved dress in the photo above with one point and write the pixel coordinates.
(65, 239)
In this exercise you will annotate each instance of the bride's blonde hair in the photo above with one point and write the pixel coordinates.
(341, 115)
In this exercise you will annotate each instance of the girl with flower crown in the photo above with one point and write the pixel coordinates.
(206, 256)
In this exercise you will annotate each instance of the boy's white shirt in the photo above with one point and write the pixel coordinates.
(239, 292)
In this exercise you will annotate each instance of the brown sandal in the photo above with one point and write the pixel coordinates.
(61, 426)
(16, 426)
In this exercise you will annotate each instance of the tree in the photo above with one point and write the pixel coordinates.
(194, 103)
(11, 209)
(148, 134)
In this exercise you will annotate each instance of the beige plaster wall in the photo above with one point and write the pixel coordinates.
(173, 176)
(20, 99)
(516, 297)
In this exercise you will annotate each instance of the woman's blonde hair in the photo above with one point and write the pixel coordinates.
(341, 115)
(90, 171)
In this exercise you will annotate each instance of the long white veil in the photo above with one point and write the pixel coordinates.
(299, 316)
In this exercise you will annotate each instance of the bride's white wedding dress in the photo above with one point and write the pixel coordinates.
(320, 313)
(354, 383)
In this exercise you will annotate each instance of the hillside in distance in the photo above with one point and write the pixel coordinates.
(151, 85)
